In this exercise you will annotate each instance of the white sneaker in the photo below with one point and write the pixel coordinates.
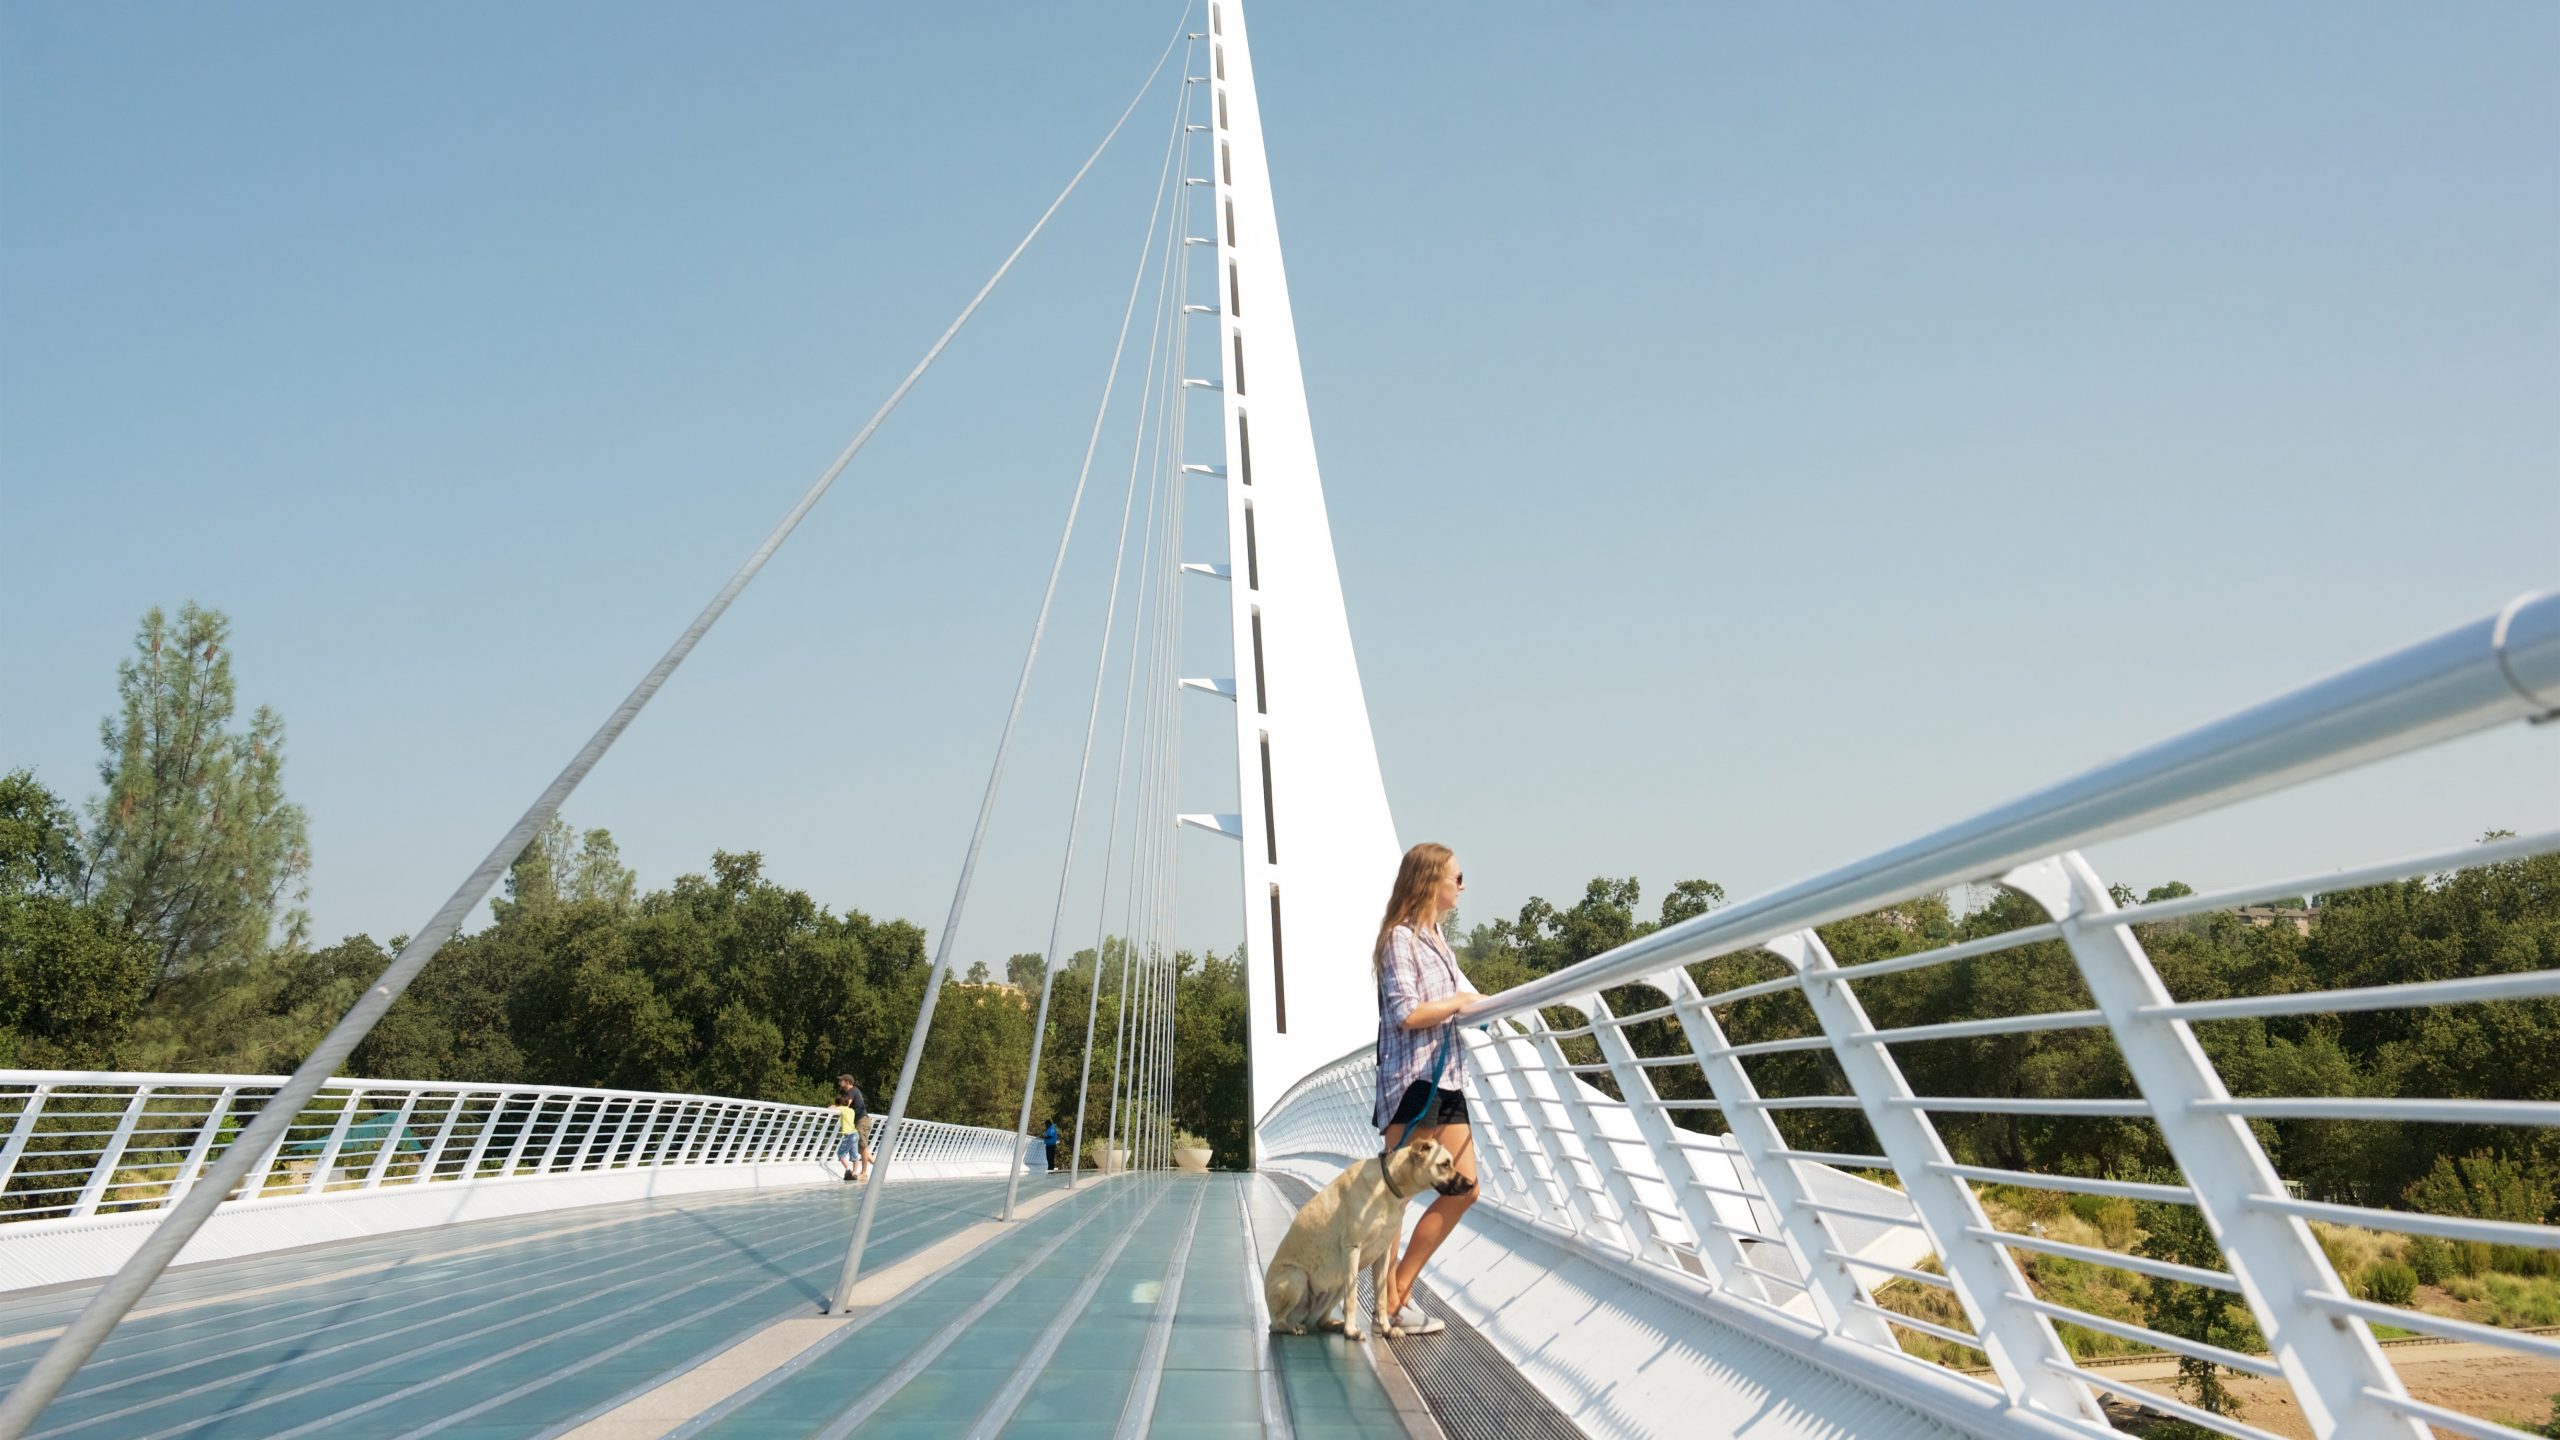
(1412, 1321)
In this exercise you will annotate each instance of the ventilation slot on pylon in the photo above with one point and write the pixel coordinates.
(1279, 975)
(1231, 224)
(1270, 823)
(1220, 54)
(1226, 164)
(1244, 448)
(1222, 109)
(1235, 292)
(1239, 364)
(1261, 701)
(1252, 556)
(1214, 27)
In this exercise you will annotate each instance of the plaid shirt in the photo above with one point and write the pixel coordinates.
(1418, 967)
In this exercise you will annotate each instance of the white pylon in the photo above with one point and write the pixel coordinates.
(1317, 842)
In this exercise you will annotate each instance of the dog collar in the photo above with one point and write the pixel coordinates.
(1389, 1176)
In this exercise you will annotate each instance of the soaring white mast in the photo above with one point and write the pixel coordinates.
(1318, 844)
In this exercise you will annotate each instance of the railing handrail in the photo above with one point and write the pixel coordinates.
(158, 1078)
(2501, 667)
(85, 1143)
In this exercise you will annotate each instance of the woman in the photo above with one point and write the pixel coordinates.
(1419, 989)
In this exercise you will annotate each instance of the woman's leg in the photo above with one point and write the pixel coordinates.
(1439, 1219)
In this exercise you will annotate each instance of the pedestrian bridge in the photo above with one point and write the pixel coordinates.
(1714, 1201)
(406, 1259)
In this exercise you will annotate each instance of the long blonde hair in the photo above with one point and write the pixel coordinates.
(1411, 901)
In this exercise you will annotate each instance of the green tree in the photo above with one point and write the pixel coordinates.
(562, 867)
(193, 846)
(71, 982)
(2178, 1233)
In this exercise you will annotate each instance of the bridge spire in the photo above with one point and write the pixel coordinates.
(1318, 844)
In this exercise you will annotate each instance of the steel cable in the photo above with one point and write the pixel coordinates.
(1102, 659)
(986, 813)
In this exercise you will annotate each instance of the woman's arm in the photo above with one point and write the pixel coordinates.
(1437, 1012)
(1402, 986)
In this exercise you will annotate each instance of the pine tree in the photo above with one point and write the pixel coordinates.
(193, 847)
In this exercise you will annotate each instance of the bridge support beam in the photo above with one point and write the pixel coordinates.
(2331, 1361)
(1840, 1304)
(2025, 1351)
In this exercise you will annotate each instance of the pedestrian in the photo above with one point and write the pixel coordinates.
(1422, 1065)
(1050, 1139)
(852, 1119)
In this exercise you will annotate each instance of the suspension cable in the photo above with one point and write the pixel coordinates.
(1120, 764)
(978, 834)
(1102, 660)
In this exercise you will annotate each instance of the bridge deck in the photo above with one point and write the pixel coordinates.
(1123, 1303)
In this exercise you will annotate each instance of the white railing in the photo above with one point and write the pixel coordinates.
(84, 1144)
(1765, 1232)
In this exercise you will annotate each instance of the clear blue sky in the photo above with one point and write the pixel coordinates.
(1755, 434)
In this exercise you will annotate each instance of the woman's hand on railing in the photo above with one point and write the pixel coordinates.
(1439, 1012)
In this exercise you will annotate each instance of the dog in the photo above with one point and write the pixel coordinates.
(1350, 1223)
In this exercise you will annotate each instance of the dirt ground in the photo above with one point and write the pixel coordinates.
(2478, 1380)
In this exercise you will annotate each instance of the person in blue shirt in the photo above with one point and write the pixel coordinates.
(1049, 1138)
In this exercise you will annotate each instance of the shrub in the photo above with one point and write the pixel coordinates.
(2388, 1282)
(2429, 1258)
(2471, 1257)
(2524, 1260)
(2088, 1206)
(2119, 1223)
(2037, 1205)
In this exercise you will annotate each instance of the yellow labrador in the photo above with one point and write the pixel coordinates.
(1349, 1224)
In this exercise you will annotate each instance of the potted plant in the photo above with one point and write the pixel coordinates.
(1190, 1152)
(1108, 1158)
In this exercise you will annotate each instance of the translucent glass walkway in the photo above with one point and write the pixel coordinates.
(1126, 1307)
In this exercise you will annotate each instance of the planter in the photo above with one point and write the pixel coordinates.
(1191, 1158)
(1111, 1159)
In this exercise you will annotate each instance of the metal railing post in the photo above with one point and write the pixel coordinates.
(328, 1160)
(2023, 1347)
(524, 1134)
(1840, 1301)
(193, 1165)
(1570, 1190)
(644, 1150)
(434, 1160)
(390, 1144)
(1718, 1250)
(2331, 1361)
(1518, 1129)
(621, 1127)
(20, 1131)
(255, 1184)
(1637, 1233)
(559, 1132)
(105, 1167)
(1508, 1172)
(488, 1131)
(694, 1114)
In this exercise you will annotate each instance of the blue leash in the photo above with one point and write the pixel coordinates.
(1448, 1035)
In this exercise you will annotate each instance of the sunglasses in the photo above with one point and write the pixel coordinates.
(1461, 877)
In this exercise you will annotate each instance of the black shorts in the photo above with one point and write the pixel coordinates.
(1452, 1109)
